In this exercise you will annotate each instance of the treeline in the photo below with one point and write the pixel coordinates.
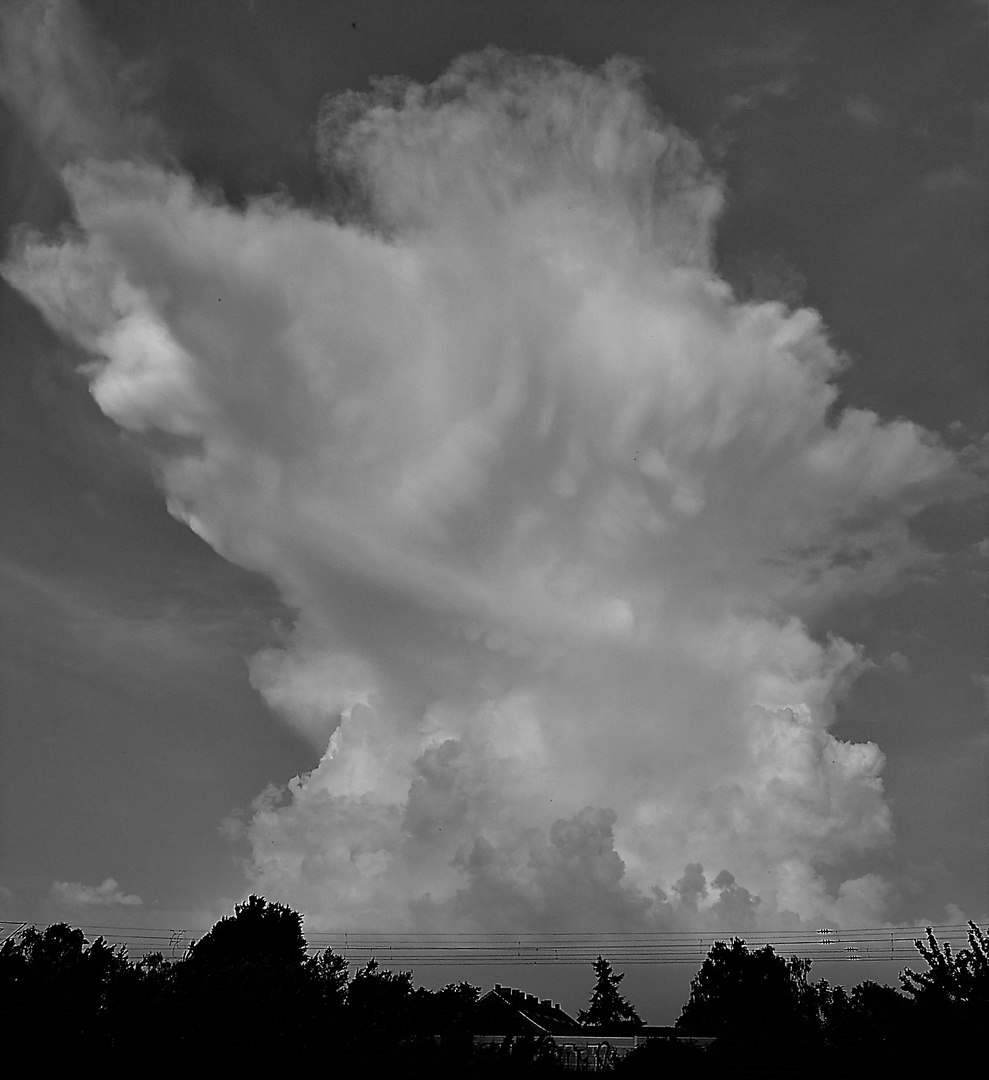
(769, 1018)
(248, 995)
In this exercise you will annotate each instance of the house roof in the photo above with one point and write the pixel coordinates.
(507, 1011)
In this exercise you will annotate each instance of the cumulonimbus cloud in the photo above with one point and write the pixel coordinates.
(553, 506)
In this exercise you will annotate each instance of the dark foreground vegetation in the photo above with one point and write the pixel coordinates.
(248, 996)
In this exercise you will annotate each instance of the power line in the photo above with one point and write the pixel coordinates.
(473, 949)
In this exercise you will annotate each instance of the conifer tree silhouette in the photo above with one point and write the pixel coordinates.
(607, 1008)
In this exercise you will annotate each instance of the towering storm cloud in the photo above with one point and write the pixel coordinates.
(553, 506)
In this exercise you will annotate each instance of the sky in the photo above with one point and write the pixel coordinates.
(494, 467)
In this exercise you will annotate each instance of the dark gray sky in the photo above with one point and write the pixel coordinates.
(849, 143)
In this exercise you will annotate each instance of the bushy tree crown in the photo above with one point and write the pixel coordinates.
(960, 978)
(737, 992)
(259, 931)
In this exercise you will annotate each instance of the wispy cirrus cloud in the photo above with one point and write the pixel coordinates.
(74, 92)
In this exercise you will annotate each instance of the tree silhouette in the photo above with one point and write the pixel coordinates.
(608, 1009)
(871, 1025)
(246, 988)
(328, 974)
(448, 1012)
(738, 992)
(379, 1000)
(54, 974)
(258, 931)
(952, 979)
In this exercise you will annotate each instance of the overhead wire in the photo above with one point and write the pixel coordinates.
(624, 948)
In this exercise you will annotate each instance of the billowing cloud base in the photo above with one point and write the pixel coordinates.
(552, 506)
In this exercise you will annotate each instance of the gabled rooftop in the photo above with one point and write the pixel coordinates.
(507, 1011)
